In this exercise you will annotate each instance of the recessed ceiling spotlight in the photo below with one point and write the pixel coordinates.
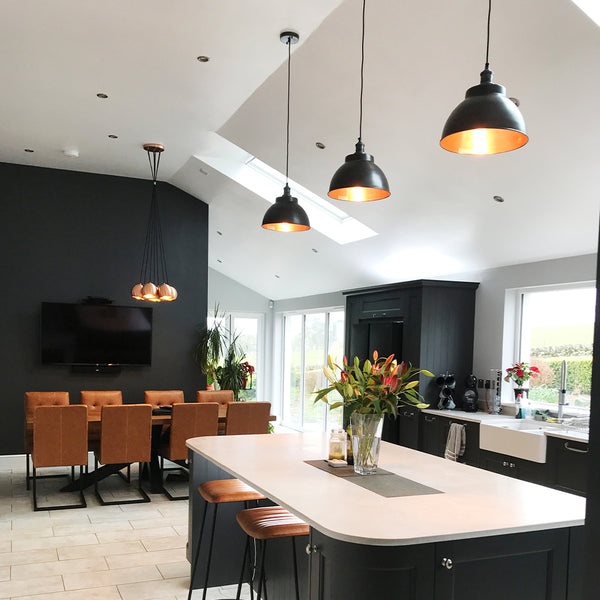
(27, 150)
(498, 198)
(515, 101)
(203, 59)
(71, 152)
(219, 232)
(112, 136)
(102, 96)
(320, 145)
(277, 277)
(315, 250)
(219, 260)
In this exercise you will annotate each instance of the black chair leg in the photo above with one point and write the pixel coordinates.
(295, 568)
(244, 564)
(198, 546)
(210, 549)
(27, 470)
(261, 576)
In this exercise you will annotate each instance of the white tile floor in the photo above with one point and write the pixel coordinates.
(127, 552)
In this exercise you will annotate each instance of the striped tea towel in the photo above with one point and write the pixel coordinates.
(456, 442)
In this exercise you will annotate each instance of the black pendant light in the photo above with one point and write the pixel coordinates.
(359, 179)
(486, 121)
(154, 263)
(286, 214)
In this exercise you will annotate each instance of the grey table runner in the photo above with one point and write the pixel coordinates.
(382, 482)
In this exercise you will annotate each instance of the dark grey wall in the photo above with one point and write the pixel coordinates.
(67, 235)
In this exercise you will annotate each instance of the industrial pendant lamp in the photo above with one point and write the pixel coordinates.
(154, 264)
(286, 214)
(486, 121)
(359, 179)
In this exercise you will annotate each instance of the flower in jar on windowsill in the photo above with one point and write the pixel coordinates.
(521, 372)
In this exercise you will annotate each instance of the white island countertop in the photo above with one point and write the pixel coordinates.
(473, 503)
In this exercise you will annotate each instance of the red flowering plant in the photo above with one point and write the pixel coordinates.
(520, 373)
(246, 370)
(378, 387)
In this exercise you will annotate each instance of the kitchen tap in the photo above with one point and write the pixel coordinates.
(562, 392)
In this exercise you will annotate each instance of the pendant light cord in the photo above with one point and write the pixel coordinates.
(487, 47)
(287, 139)
(362, 72)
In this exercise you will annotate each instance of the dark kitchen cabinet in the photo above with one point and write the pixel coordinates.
(434, 434)
(510, 466)
(567, 461)
(409, 427)
(533, 565)
(426, 323)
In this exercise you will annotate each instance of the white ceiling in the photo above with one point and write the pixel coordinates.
(421, 56)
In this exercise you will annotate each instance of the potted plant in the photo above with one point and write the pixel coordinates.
(233, 373)
(520, 374)
(368, 392)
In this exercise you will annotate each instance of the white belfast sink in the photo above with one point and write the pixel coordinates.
(516, 437)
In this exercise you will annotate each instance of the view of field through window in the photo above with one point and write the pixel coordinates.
(557, 326)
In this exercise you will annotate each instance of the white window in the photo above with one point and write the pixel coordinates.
(556, 325)
(248, 331)
(308, 338)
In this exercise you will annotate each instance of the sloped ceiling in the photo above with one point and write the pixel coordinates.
(420, 58)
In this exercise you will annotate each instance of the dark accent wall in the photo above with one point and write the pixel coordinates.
(67, 235)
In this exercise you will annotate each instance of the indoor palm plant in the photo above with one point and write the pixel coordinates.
(367, 393)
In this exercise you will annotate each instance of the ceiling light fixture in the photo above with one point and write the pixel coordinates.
(102, 96)
(154, 264)
(359, 179)
(486, 121)
(286, 214)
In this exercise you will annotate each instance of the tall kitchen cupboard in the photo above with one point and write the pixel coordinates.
(427, 323)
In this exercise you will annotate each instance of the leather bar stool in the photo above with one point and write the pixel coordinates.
(267, 523)
(217, 492)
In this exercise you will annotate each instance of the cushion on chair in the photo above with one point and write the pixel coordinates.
(268, 522)
(159, 398)
(95, 400)
(247, 418)
(228, 490)
(220, 396)
(188, 421)
(125, 434)
(60, 436)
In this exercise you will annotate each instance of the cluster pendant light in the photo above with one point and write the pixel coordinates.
(359, 179)
(486, 121)
(154, 264)
(286, 214)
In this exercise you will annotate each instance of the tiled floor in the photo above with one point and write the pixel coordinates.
(126, 552)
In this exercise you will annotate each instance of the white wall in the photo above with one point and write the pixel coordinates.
(494, 325)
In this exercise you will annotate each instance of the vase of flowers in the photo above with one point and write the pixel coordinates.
(369, 392)
(520, 374)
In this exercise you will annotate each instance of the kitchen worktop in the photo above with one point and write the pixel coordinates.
(472, 503)
(554, 429)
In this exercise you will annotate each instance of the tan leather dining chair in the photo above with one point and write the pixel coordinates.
(32, 401)
(125, 437)
(247, 417)
(220, 396)
(158, 398)
(95, 400)
(59, 440)
(187, 421)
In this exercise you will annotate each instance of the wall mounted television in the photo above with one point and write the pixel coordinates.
(96, 334)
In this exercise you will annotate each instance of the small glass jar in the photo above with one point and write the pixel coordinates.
(337, 445)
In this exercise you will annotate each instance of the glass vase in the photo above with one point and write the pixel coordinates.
(366, 440)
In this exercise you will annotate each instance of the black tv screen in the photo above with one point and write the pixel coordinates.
(88, 334)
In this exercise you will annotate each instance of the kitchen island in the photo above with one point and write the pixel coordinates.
(461, 534)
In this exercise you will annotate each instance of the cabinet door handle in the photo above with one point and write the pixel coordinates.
(512, 465)
(447, 562)
(576, 449)
(310, 548)
(505, 463)
(430, 419)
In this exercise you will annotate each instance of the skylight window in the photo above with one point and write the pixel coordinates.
(261, 179)
(591, 8)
